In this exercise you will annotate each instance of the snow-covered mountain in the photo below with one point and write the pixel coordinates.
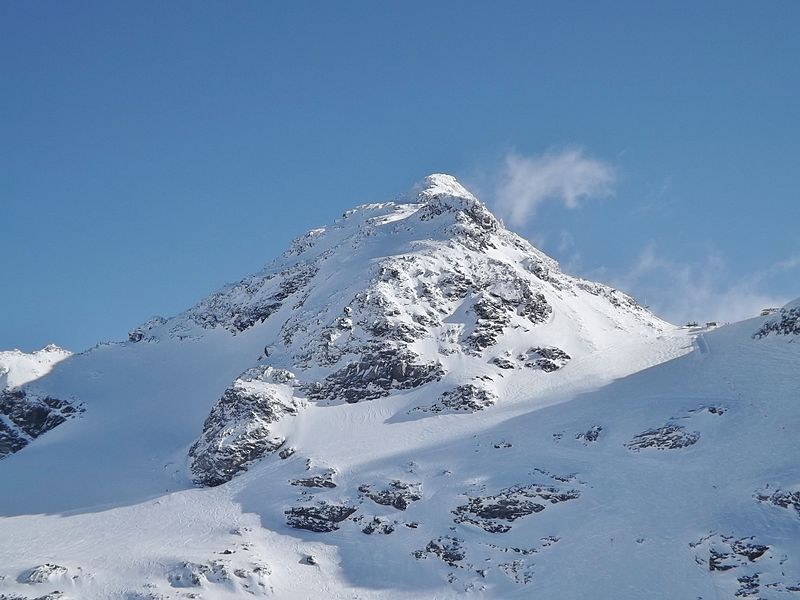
(410, 403)
(17, 367)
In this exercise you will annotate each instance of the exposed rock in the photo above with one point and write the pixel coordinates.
(252, 300)
(726, 552)
(712, 409)
(546, 358)
(237, 431)
(325, 480)
(447, 548)
(379, 525)
(749, 549)
(782, 498)
(591, 435)
(504, 363)
(25, 414)
(787, 322)
(375, 375)
(10, 440)
(141, 332)
(286, 453)
(398, 494)
(46, 573)
(189, 574)
(495, 312)
(463, 398)
(510, 504)
(749, 585)
(320, 518)
(668, 437)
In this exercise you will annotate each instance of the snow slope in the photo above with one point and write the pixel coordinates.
(414, 403)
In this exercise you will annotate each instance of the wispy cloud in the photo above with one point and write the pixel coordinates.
(567, 176)
(698, 290)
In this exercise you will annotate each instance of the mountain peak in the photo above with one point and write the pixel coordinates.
(437, 185)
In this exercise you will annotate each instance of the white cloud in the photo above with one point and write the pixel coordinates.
(701, 290)
(566, 176)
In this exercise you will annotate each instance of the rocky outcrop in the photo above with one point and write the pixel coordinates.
(319, 518)
(467, 398)
(745, 565)
(324, 480)
(189, 574)
(398, 494)
(252, 300)
(46, 573)
(494, 313)
(375, 375)
(493, 513)
(787, 322)
(379, 525)
(447, 548)
(781, 498)
(546, 358)
(25, 414)
(237, 431)
(591, 435)
(668, 437)
(142, 332)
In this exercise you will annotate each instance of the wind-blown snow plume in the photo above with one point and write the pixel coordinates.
(566, 176)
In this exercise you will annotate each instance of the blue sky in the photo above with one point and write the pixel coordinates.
(151, 152)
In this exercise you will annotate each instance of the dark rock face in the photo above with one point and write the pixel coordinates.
(10, 440)
(494, 313)
(142, 331)
(398, 494)
(236, 432)
(546, 358)
(725, 552)
(189, 574)
(749, 585)
(728, 557)
(26, 414)
(504, 363)
(448, 549)
(375, 375)
(591, 435)
(668, 437)
(379, 525)
(464, 398)
(781, 498)
(749, 549)
(510, 504)
(322, 518)
(252, 300)
(787, 323)
(317, 481)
